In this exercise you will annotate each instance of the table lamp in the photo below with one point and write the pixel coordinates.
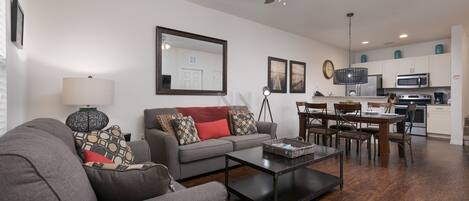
(87, 93)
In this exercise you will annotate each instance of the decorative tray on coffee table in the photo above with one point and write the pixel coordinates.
(290, 148)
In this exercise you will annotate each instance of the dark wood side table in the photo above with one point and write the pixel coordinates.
(282, 178)
(127, 136)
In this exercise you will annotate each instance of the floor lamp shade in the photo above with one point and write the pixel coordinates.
(87, 93)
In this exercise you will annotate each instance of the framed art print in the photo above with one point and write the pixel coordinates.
(277, 75)
(17, 24)
(297, 77)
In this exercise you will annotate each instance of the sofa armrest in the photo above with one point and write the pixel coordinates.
(141, 151)
(165, 150)
(212, 191)
(267, 128)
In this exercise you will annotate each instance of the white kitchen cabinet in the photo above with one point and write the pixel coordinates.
(412, 65)
(374, 67)
(419, 65)
(390, 71)
(439, 67)
(439, 119)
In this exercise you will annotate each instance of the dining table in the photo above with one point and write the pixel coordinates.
(384, 121)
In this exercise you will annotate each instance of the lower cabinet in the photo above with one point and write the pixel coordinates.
(439, 119)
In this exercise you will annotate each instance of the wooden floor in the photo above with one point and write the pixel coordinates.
(440, 172)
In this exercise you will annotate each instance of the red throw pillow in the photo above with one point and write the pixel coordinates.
(91, 156)
(213, 129)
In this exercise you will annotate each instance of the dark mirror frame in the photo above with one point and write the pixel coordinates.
(159, 77)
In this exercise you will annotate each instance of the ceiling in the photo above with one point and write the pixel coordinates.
(376, 21)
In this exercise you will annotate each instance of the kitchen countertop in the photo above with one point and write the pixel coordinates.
(352, 97)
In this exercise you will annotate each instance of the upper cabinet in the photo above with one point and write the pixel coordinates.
(440, 70)
(391, 69)
(438, 66)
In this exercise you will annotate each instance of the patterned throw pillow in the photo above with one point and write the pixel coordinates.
(186, 132)
(164, 120)
(109, 143)
(243, 123)
(128, 182)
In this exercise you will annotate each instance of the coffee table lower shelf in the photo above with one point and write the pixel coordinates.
(301, 184)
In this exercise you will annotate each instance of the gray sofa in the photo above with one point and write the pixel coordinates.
(38, 161)
(194, 159)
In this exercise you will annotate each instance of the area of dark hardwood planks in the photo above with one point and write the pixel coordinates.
(440, 172)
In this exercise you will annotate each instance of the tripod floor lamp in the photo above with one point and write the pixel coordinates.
(265, 105)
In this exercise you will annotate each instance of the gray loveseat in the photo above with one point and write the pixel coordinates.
(38, 161)
(194, 159)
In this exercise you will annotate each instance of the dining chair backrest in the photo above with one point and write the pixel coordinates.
(318, 108)
(345, 112)
(410, 116)
(300, 107)
(387, 106)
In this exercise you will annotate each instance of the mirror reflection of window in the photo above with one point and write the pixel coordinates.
(189, 64)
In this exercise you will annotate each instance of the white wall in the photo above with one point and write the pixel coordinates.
(459, 82)
(115, 39)
(411, 50)
(16, 76)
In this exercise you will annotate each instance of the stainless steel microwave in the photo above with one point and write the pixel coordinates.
(413, 81)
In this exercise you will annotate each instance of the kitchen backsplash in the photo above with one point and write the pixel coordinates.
(427, 91)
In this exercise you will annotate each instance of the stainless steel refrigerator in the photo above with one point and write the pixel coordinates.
(374, 87)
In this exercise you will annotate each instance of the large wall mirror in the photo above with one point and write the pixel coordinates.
(190, 64)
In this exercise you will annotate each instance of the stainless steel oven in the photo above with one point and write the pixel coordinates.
(420, 121)
(413, 81)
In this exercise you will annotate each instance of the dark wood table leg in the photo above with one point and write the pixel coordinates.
(400, 129)
(226, 174)
(275, 187)
(384, 144)
(302, 119)
(341, 170)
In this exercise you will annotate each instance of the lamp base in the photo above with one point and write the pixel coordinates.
(86, 120)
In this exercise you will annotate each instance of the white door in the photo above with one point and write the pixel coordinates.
(191, 79)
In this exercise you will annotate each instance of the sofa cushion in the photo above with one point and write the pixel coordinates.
(186, 132)
(109, 143)
(205, 114)
(47, 160)
(128, 182)
(165, 122)
(55, 128)
(243, 123)
(247, 141)
(150, 115)
(213, 130)
(205, 149)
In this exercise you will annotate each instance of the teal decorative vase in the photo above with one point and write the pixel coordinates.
(439, 49)
(397, 54)
(364, 58)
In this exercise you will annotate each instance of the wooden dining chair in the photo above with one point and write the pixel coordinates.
(345, 127)
(344, 115)
(300, 107)
(374, 129)
(317, 128)
(405, 138)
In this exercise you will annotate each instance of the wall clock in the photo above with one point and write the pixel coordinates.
(328, 69)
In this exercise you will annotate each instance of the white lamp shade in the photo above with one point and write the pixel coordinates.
(87, 91)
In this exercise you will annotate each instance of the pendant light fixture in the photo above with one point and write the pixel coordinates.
(349, 75)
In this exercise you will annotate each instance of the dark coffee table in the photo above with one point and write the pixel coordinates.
(282, 178)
